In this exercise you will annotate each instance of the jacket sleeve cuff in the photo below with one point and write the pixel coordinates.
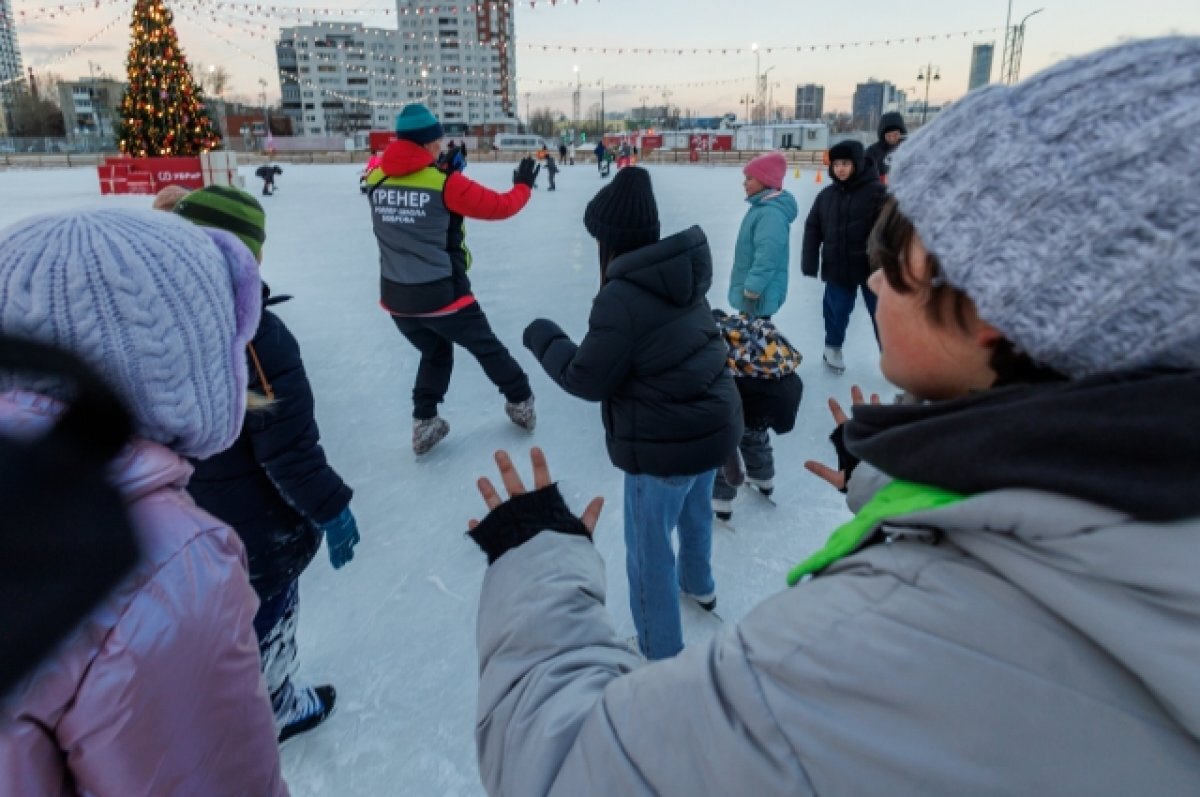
(523, 517)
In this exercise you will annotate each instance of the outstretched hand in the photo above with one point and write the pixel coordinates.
(526, 172)
(513, 485)
(846, 462)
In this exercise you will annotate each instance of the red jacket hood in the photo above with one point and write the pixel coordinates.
(404, 157)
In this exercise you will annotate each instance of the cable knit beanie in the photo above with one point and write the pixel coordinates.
(768, 169)
(161, 308)
(1066, 206)
(623, 215)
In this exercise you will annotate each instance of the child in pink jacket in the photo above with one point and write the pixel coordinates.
(158, 690)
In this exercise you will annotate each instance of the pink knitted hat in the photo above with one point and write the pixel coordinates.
(768, 169)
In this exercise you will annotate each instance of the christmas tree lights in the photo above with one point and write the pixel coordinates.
(162, 113)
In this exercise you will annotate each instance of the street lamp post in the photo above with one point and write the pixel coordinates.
(576, 119)
(754, 47)
(928, 73)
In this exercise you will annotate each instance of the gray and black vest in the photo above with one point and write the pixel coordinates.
(423, 257)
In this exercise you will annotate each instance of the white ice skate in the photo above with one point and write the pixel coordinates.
(833, 359)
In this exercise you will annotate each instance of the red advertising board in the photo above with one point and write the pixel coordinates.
(712, 142)
(184, 172)
(378, 140)
(123, 175)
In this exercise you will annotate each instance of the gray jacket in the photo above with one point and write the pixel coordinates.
(1019, 642)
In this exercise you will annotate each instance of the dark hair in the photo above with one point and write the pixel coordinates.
(888, 247)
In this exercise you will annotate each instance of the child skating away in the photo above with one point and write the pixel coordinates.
(158, 690)
(654, 359)
(1013, 607)
(551, 171)
(274, 485)
(763, 365)
(267, 173)
(759, 282)
(835, 242)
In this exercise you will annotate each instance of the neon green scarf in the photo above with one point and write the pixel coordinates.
(896, 499)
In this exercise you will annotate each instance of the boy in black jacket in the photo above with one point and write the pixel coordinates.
(654, 358)
(274, 485)
(835, 235)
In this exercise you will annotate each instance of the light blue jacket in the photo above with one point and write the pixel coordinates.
(760, 259)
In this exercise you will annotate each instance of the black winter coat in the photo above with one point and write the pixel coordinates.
(654, 358)
(880, 152)
(274, 486)
(839, 223)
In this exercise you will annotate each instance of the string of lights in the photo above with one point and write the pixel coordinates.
(67, 54)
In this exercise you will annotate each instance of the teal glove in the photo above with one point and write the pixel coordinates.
(341, 535)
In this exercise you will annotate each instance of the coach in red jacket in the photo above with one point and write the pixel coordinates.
(417, 212)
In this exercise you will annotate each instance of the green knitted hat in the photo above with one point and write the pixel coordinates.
(417, 124)
(230, 209)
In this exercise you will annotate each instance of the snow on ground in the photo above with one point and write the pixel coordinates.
(394, 630)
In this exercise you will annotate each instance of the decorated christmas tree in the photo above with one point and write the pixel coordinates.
(162, 113)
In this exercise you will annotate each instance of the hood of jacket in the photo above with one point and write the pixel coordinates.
(677, 268)
(141, 468)
(1082, 494)
(891, 121)
(776, 200)
(865, 168)
(404, 157)
(1095, 439)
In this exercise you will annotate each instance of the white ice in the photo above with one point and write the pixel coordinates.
(395, 629)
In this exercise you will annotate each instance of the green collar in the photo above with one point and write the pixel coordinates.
(896, 499)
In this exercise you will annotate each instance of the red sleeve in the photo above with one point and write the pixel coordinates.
(468, 198)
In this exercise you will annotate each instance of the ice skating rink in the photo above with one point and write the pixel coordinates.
(395, 629)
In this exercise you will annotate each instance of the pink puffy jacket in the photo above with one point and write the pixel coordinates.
(158, 692)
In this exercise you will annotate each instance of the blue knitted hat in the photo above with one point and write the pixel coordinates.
(161, 308)
(1065, 206)
(417, 124)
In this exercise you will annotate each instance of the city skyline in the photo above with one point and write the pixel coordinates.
(243, 43)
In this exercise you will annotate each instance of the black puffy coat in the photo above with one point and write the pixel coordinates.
(841, 218)
(654, 358)
(274, 486)
(880, 152)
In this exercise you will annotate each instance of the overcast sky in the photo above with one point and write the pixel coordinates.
(1064, 28)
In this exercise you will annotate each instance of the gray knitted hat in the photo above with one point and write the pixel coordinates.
(1067, 206)
(163, 309)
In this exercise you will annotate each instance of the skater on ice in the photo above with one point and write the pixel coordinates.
(654, 359)
(835, 242)
(158, 690)
(274, 485)
(417, 212)
(759, 282)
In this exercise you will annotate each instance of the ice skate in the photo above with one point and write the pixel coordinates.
(723, 509)
(522, 413)
(833, 359)
(310, 706)
(427, 433)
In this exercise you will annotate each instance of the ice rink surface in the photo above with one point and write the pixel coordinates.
(394, 630)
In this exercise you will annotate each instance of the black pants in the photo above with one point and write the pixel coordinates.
(435, 339)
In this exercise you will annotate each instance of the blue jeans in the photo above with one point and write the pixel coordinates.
(654, 506)
(837, 306)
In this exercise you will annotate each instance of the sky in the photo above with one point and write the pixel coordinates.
(233, 36)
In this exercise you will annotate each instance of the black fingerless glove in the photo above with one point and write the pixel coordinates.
(847, 462)
(526, 172)
(523, 517)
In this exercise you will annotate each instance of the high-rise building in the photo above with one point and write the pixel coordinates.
(810, 101)
(981, 65)
(337, 78)
(91, 106)
(870, 101)
(12, 75)
(459, 60)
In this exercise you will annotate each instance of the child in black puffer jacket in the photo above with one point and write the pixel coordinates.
(274, 485)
